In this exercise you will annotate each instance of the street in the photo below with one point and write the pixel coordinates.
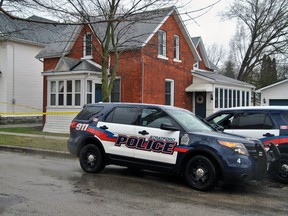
(32, 184)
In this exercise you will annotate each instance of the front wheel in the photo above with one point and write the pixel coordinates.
(91, 159)
(200, 173)
(283, 172)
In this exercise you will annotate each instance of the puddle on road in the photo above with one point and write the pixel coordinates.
(7, 200)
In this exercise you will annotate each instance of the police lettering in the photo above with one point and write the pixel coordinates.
(161, 146)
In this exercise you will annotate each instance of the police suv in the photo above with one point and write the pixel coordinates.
(166, 139)
(269, 124)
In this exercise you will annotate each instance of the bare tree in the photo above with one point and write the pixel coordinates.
(216, 54)
(114, 17)
(263, 29)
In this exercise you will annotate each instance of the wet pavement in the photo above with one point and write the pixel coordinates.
(33, 184)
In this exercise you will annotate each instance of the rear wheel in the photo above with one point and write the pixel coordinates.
(200, 173)
(91, 159)
(283, 172)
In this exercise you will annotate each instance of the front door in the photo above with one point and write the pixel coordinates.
(200, 104)
(98, 93)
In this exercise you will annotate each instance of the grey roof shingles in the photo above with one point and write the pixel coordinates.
(132, 34)
(220, 79)
(28, 31)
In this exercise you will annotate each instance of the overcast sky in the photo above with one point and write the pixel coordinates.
(209, 26)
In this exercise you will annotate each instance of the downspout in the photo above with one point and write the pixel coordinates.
(142, 79)
(13, 78)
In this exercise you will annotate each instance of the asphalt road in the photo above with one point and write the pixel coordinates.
(32, 184)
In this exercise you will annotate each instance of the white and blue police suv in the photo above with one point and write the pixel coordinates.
(165, 139)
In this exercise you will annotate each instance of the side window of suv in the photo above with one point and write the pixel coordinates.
(224, 120)
(123, 115)
(154, 118)
(252, 121)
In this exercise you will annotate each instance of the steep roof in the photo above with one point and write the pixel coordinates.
(132, 34)
(198, 42)
(27, 31)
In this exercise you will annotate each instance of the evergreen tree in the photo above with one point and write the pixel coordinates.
(229, 69)
(268, 72)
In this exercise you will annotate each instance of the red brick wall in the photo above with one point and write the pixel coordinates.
(157, 70)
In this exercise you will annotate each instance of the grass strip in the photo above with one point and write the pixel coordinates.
(31, 130)
(34, 142)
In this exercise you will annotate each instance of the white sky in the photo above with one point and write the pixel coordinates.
(209, 26)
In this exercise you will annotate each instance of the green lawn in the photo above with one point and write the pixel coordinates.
(31, 142)
(31, 130)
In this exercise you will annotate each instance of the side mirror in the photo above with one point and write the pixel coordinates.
(168, 126)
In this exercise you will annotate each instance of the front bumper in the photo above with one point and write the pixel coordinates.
(274, 158)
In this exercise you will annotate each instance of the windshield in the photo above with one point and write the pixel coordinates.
(188, 120)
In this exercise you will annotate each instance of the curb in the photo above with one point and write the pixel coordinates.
(43, 152)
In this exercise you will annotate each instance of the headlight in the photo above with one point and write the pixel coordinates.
(238, 147)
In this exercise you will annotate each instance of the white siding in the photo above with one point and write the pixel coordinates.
(22, 76)
(276, 92)
(59, 123)
(3, 77)
(210, 104)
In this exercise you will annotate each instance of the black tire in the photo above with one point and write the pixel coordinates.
(200, 173)
(91, 159)
(282, 176)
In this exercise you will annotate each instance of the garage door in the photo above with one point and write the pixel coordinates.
(278, 102)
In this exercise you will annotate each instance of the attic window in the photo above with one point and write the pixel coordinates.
(161, 44)
(87, 45)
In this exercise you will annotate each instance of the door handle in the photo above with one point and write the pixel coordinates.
(144, 132)
(268, 135)
(104, 127)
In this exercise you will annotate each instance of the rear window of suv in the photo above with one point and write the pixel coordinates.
(88, 112)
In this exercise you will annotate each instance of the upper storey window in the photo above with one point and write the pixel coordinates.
(87, 45)
(162, 44)
(176, 47)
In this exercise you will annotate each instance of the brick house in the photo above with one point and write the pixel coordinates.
(155, 68)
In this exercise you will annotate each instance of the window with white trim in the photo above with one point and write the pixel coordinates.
(115, 93)
(169, 92)
(225, 98)
(161, 43)
(176, 47)
(89, 92)
(64, 93)
(87, 52)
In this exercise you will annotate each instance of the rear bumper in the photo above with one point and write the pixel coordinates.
(72, 146)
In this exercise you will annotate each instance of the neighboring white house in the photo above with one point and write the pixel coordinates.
(275, 94)
(213, 91)
(21, 83)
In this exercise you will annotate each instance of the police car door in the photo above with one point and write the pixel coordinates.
(120, 122)
(155, 144)
(254, 124)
